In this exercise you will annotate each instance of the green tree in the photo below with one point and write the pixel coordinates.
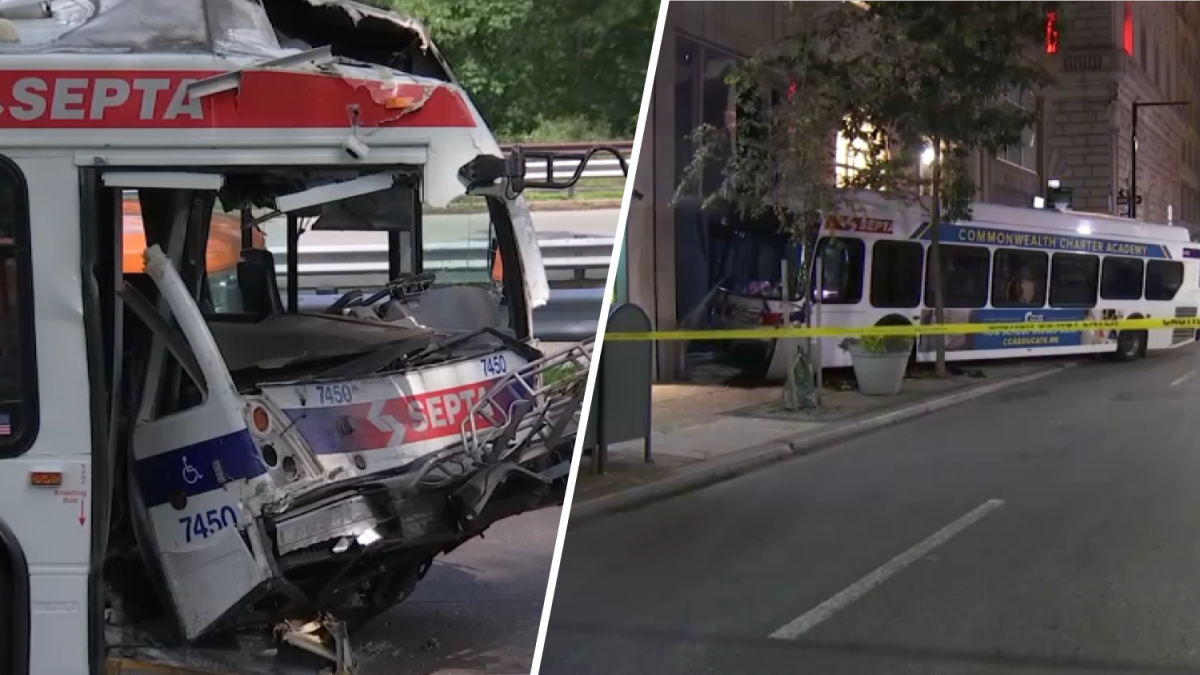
(791, 102)
(539, 69)
(894, 78)
(936, 77)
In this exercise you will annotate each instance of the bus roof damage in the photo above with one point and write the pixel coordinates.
(268, 469)
(267, 29)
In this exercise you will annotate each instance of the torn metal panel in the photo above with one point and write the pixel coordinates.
(396, 94)
(531, 255)
(214, 27)
(358, 11)
(400, 96)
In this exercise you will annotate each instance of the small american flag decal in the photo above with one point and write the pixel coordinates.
(5, 424)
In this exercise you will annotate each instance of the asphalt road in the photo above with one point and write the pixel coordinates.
(476, 612)
(1051, 528)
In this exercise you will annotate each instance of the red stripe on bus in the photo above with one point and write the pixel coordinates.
(266, 99)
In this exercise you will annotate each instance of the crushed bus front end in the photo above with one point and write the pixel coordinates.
(252, 475)
(299, 472)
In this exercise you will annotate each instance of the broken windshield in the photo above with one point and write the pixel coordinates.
(451, 276)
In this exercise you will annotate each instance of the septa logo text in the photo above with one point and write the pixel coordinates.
(96, 99)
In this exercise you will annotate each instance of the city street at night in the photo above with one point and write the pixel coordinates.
(1049, 528)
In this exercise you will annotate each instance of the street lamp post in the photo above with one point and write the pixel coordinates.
(1133, 193)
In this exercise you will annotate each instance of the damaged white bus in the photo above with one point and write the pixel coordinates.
(191, 470)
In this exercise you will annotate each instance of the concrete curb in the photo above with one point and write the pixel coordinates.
(752, 459)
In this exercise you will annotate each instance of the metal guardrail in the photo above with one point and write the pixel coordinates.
(598, 167)
(570, 263)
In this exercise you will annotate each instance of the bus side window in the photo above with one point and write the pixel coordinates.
(896, 268)
(1073, 280)
(1019, 278)
(18, 377)
(1163, 279)
(842, 264)
(1121, 278)
(964, 277)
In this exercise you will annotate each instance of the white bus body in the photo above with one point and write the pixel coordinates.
(169, 471)
(1071, 266)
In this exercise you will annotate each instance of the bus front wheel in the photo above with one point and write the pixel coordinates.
(1131, 344)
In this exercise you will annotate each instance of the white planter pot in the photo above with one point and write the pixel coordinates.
(878, 374)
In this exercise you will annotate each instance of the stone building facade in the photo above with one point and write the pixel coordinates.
(1111, 55)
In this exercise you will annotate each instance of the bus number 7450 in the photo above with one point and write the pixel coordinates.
(202, 525)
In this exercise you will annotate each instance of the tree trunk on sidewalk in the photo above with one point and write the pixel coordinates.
(800, 390)
(935, 256)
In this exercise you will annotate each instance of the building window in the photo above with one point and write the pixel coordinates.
(687, 56)
(701, 96)
(18, 375)
(850, 157)
(1023, 154)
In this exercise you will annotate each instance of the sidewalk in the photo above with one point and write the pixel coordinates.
(707, 433)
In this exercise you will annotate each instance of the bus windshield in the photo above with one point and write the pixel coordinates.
(752, 264)
(451, 253)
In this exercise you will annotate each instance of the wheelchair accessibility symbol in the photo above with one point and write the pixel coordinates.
(191, 475)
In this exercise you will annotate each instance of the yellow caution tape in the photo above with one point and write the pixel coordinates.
(906, 331)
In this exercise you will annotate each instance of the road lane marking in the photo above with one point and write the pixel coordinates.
(1183, 378)
(823, 611)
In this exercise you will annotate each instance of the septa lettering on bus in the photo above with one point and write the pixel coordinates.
(395, 421)
(265, 99)
(81, 98)
(858, 224)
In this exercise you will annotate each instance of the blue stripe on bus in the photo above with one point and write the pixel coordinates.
(953, 233)
(1019, 340)
(216, 461)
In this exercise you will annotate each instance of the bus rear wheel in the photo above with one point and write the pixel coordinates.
(1131, 345)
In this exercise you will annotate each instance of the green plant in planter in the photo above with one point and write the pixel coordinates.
(878, 344)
